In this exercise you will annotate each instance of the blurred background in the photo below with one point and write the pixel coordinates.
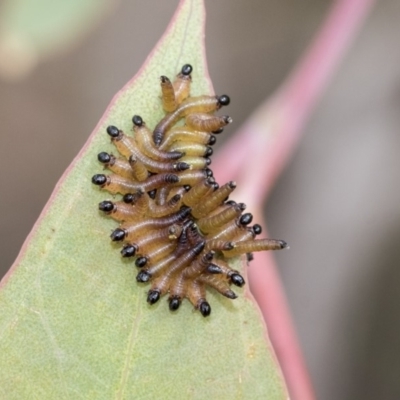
(337, 203)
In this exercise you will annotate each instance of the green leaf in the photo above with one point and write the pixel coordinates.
(74, 324)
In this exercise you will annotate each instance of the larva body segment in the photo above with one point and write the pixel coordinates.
(177, 225)
(206, 122)
(119, 166)
(213, 201)
(186, 135)
(119, 211)
(249, 246)
(192, 149)
(169, 102)
(161, 210)
(139, 170)
(146, 145)
(199, 104)
(182, 83)
(212, 223)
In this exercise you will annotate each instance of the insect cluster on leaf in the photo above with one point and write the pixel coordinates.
(176, 221)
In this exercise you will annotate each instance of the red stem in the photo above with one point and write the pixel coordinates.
(271, 135)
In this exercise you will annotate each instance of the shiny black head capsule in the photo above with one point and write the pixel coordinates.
(187, 69)
(249, 257)
(104, 157)
(141, 262)
(128, 198)
(106, 206)
(205, 308)
(181, 166)
(143, 276)
(209, 151)
(224, 100)
(117, 235)
(214, 269)
(128, 250)
(99, 179)
(113, 131)
(246, 219)
(230, 294)
(257, 229)
(212, 140)
(208, 172)
(237, 279)
(220, 130)
(174, 303)
(153, 296)
(137, 120)
(152, 193)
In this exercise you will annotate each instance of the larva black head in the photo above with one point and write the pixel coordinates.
(137, 120)
(104, 157)
(246, 219)
(176, 198)
(152, 193)
(237, 279)
(214, 269)
(209, 172)
(181, 166)
(208, 161)
(153, 296)
(212, 140)
(230, 294)
(141, 262)
(257, 229)
(224, 100)
(228, 246)
(205, 308)
(218, 131)
(106, 206)
(128, 198)
(143, 276)
(242, 206)
(171, 178)
(198, 248)
(99, 179)
(118, 235)
(215, 186)
(187, 187)
(249, 257)
(174, 303)
(283, 244)
(164, 79)
(186, 69)
(209, 151)
(227, 119)
(209, 256)
(128, 250)
(113, 131)
(184, 212)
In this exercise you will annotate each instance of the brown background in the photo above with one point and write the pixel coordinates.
(337, 204)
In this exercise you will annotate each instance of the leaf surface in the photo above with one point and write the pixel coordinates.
(74, 324)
